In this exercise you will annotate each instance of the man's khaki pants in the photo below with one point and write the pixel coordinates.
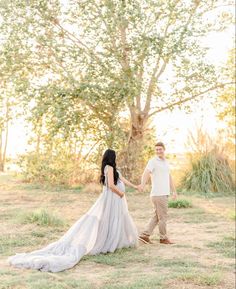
(160, 204)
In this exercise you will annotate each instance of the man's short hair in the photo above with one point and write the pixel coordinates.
(160, 144)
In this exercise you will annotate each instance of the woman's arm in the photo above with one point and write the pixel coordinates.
(128, 183)
(111, 183)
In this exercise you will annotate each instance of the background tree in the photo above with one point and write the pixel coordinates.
(112, 57)
(225, 105)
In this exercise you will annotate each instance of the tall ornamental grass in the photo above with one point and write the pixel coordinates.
(210, 172)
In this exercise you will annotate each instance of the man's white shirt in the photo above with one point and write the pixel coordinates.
(160, 175)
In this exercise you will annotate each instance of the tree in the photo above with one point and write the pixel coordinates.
(225, 103)
(113, 56)
(4, 125)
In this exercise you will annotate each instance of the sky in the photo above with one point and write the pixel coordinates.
(171, 127)
(175, 125)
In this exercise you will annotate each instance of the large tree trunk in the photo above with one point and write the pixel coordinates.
(131, 157)
(138, 123)
(1, 161)
(4, 143)
(5, 148)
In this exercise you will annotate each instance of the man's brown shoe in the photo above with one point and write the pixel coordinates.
(145, 239)
(166, 241)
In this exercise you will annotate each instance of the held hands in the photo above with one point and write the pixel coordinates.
(140, 188)
(174, 196)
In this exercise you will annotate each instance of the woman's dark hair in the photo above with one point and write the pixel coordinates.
(109, 158)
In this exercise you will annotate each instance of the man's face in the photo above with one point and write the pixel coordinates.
(160, 151)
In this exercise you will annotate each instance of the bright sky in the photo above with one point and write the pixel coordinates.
(171, 127)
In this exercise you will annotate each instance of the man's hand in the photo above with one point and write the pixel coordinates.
(174, 196)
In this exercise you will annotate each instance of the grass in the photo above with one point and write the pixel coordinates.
(44, 281)
(41, 217)
(120, 257)
(9, 242)
(200, 252)
(178, 264)
(41, 227)
(202, 279)
(149, 283)
(208, 195)
(210, 172)
(198, 215)
(179, 203)
(226, 246)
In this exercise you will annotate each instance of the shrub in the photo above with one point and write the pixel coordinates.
(59, 169)
(211, 172)
(179, 203)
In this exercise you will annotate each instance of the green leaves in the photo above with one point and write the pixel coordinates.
(80, 63)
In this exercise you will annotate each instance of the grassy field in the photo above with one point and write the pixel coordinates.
(203, 256)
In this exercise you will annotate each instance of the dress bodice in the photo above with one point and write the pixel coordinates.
(120, 184)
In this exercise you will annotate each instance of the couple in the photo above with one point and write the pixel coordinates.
(107, 225)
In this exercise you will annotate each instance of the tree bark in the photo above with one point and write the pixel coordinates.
(1, 143)
(4, 143)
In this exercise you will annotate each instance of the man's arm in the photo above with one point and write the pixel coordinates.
(145, 177)
(172, 188)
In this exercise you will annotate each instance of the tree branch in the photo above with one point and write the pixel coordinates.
(154, 77)
(125, 48)
(169, 106)
(77, 41)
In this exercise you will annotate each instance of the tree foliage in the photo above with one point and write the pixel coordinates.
(86, 67)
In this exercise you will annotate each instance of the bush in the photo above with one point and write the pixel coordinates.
(210, 173)
(42, 218)
(179, 203)
(58, 169)
(45, 169)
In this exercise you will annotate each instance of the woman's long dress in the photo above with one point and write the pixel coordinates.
(106, 227)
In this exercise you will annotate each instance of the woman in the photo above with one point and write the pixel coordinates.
(106, 227)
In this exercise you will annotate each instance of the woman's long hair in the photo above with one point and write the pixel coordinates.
(109, 158)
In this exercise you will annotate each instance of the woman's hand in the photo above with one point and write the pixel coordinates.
(122, 195)
(128, 183)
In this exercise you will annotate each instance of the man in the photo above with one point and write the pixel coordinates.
(162, 185)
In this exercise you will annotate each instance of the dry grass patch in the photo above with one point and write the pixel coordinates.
(202, 279)
(193, 262)
(92, 188)
(226, 246)
(42, 217)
